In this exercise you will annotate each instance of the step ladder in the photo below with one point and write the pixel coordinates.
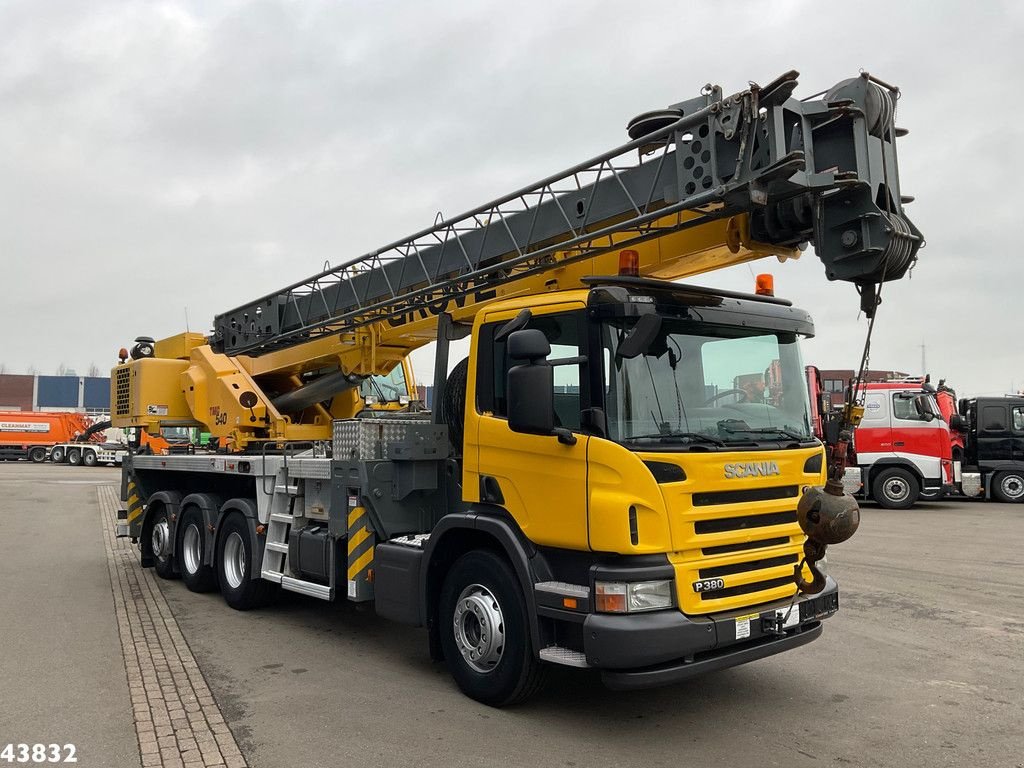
(275, 553)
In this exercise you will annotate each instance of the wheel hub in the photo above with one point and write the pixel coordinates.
(234, 560)
(479, 628)
(897, 489)
(159, 539)
(1013, 486)
(191, 549)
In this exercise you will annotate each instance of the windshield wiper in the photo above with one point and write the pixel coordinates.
(695, 437)
(768, 431)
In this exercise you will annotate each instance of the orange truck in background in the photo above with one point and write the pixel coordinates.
(31, 434)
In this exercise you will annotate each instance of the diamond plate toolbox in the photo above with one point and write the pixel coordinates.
(368, 439)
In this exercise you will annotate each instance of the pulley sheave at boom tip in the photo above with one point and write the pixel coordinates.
(821, 170)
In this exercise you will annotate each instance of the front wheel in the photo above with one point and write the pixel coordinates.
(37, 455)
(74, 457)
(191, 552)
(1009, 486)
(895, 488)
(235, 567)
(485, 633)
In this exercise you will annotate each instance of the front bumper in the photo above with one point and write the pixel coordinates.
(650, 649)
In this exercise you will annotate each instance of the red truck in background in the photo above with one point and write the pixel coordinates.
(31, 434)
(901, 449)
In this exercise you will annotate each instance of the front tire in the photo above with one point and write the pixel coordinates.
(235, 567)
(37, 455)
(1008, 487)
(74, 457)
(160, 543)
(485, 632)
(191, 552)
(895, 488)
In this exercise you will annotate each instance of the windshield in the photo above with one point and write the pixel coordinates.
(386, 388)
(704, 384)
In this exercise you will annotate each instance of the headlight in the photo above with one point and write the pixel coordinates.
(632, 597)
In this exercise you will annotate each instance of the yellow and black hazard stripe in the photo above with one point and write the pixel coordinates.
(134, 510)
(361, 541)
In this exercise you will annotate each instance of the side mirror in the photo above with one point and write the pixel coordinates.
(957, 423)
(921, 406)
(530, 385)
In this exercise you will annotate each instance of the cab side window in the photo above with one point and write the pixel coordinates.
(1018, 419)
(993, 418)
(903, 408)
(563, 332)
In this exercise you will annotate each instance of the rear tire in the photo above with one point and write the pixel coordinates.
(74, 457)
(485, 632)
(37, 455)
(1008, 487)
(235, 567)
(89, 458)
(160, 543)
(57, 455)
(192, 552)
(895, 488)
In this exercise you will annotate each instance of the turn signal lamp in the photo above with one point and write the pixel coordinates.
(764, 285)
(611, 597)
(629, 263)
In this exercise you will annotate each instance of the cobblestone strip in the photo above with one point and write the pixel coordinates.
(177, 721)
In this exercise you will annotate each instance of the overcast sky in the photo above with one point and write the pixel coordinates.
(164, 157)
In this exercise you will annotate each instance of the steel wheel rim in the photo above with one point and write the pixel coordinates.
(234, 560)
(897, 489)
(192, 548)
(479, 628)
(159, 537)
(1012, 486)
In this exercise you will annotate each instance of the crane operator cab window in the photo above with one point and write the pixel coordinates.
(387, 388)
(563, 332)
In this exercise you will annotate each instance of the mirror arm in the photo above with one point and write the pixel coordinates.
(565, 436)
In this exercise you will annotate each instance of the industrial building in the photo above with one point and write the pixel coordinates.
(84, 394)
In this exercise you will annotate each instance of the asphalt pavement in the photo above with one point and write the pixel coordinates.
(923, 665)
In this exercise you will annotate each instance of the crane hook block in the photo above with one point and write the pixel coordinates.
(828, 516)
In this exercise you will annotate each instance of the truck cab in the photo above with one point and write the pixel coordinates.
(902, 445)
(994, 447)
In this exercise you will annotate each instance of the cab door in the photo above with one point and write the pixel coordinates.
(539, 479)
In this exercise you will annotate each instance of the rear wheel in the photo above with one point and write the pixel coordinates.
(895, 488)
(485, 632)
(57, 455)
(160, 543)
(89, 458)
(37, 455)
(1009, 486)
(74, 457)
(235, 567)
(191, 552)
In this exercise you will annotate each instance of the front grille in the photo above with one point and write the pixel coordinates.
(744, 522)
(122, 393)
(743, 546)
(748, 565)
(745, 589)
(711, 498)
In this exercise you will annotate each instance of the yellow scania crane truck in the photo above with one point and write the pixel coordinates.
(611, 479)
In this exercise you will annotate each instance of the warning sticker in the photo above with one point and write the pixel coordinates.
(790, 620)
(742, 627)
(156, 410)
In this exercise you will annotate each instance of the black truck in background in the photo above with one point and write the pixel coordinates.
(992, 429)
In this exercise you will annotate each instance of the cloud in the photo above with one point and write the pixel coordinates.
(171, 155)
